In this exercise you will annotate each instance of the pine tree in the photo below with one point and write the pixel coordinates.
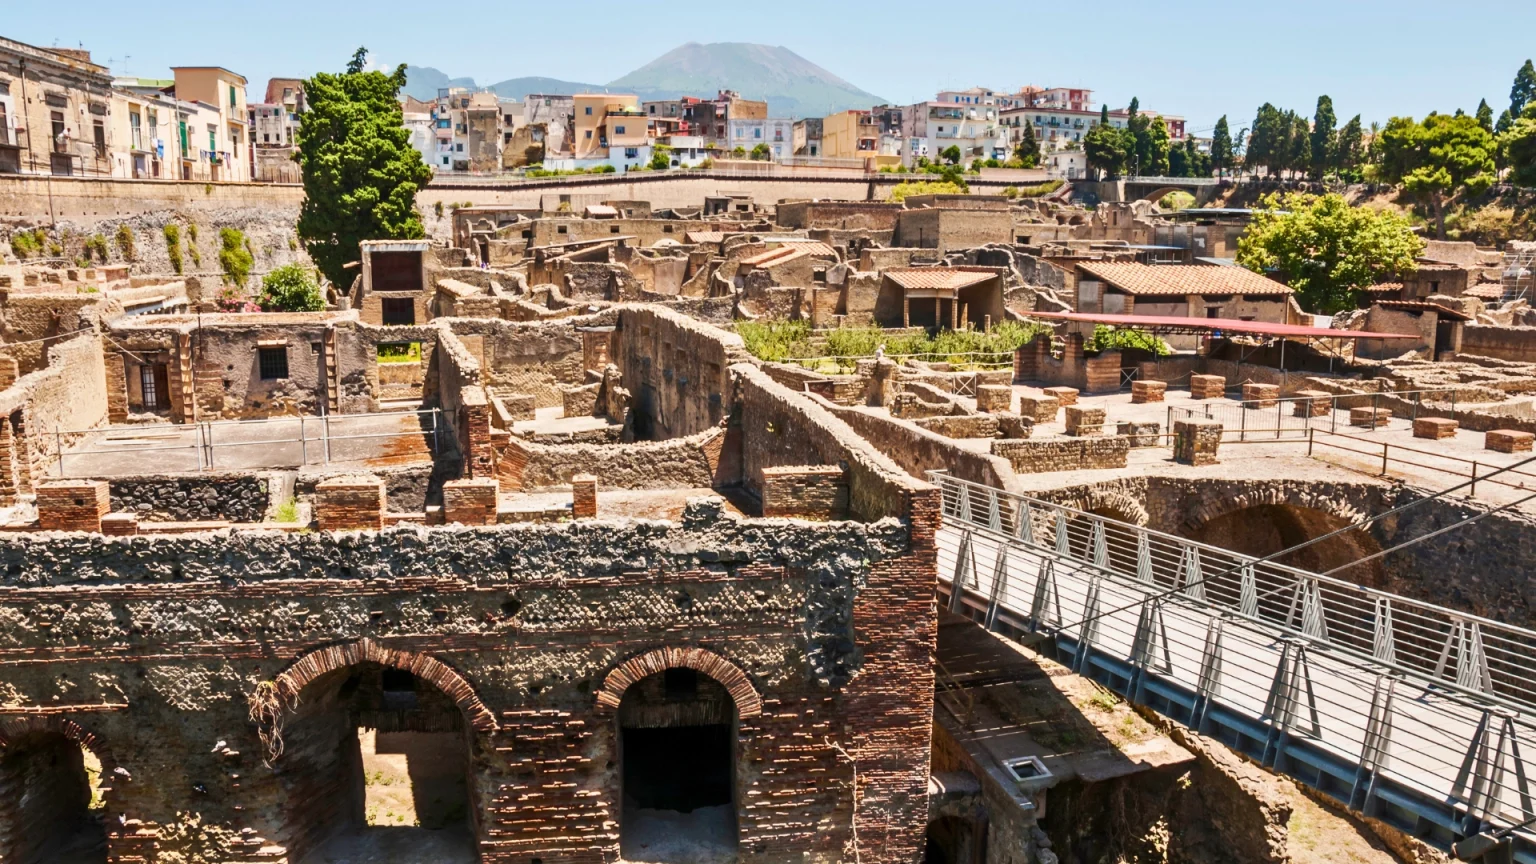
(1221, 146)
(1299, 153)
(361, 173)
(1506, 120)
(1028, 148)
(1348, 154)
(1103, 115)
(1523, 90)
(1268, 140)
(1324, 141)
(1485, 115)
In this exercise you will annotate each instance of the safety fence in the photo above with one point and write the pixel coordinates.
(232, 445)
(1281, 418)
(1409, 712)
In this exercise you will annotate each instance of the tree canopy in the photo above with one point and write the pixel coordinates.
(1517, 147)
(360, 173)
(1222, 150)
(1027, 150)
(1324, 141)
(1523, 91)
(1105, 149)
(1438, 159)
(1326, 250)
(290, 288)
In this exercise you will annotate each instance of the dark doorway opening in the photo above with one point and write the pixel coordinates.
(398, 311)
(50, 806)
(395, 271)
(677, 736)
(682, 768)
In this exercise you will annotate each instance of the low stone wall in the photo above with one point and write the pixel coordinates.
(678, 463)
(202, 498)
(1503, 343)
(920, 450)
(1046, 455)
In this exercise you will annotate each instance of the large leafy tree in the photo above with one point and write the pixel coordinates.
(1523, 91)
(1105, 148)
(1326, 250)
(1438, 159)
(361, 174)
(1518, 148)
(1221, 146)
(1324, 143)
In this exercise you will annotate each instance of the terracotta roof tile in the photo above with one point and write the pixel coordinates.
(1420, 306)
(776, 255)
(937, 278)
(1182, 279)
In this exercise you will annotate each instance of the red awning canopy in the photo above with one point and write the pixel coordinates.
(1174, 324)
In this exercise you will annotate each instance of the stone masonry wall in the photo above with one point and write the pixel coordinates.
(824, 632)
(226, 497)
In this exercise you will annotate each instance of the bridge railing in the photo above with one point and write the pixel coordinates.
(1404, 709)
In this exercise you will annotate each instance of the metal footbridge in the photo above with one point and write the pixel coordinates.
(1418, 715)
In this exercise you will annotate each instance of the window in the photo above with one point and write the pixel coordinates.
(99, 132)
(231, 95)
(757, 133)
(273, 362)
(213, 138)
(589, 134)
(618, 130)
(631, 153)
(135, 127)
(589, 110)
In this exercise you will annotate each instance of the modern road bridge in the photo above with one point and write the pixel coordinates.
(1418, 715)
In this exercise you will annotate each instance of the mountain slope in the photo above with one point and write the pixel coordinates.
(517, 88)
(792, 85)
(422, 82)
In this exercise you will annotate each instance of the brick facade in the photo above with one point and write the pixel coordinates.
(470, 501)
(818, 492)
(1143, 392)
(350, 503)
(1207, 387)
(72, 505)
(584, 496)
(1196, 442)
(1508, 441)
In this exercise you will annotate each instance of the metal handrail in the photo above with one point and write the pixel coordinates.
(1395, 696)
(1387, 460)
(1507, 650)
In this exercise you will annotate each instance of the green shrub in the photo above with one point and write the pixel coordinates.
(293, 244)
(778, 341)
(192, 231)
(288, 511)
(437, 207)
(96, 245)
(775, 341)
(290, 288)
(55, 250)
(25, 244)
(125, 242)
(906, 188)
(1111, 339)
(173, 246)
(235, 259)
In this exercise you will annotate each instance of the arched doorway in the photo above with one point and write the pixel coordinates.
(51, 806)
(1265, 529)
(677, 732)
(377, 764)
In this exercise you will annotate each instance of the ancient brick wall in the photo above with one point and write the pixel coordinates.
(675, 369)
(69, 395)
(829, 628)
(1073, 454)
(677, 463)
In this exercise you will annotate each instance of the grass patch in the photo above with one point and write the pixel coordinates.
(288, 511)
(400, 352)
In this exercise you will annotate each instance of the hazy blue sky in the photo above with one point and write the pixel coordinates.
(1191, 57)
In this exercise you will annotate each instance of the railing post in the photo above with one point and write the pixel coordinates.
(1242, 421)
(1333, 414)
(1279, 404)
(1310, 430)
(303, 444)
(1384, 447)
(1472, 490)
(1375, 416)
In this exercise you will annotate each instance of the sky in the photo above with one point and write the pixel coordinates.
(1192, 58)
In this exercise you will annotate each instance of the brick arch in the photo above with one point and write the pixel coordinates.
(1111, 500)
(748, 702)
(1291, 497)
(329, 658)
(20, 726)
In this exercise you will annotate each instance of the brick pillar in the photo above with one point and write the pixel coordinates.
(350, 503)
(8, 484)
(584, 496)
(117, 388)
(1195, 442)
(475, 434)
(470, 501)
(72, 505)
(9, 371)
(805, 492)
